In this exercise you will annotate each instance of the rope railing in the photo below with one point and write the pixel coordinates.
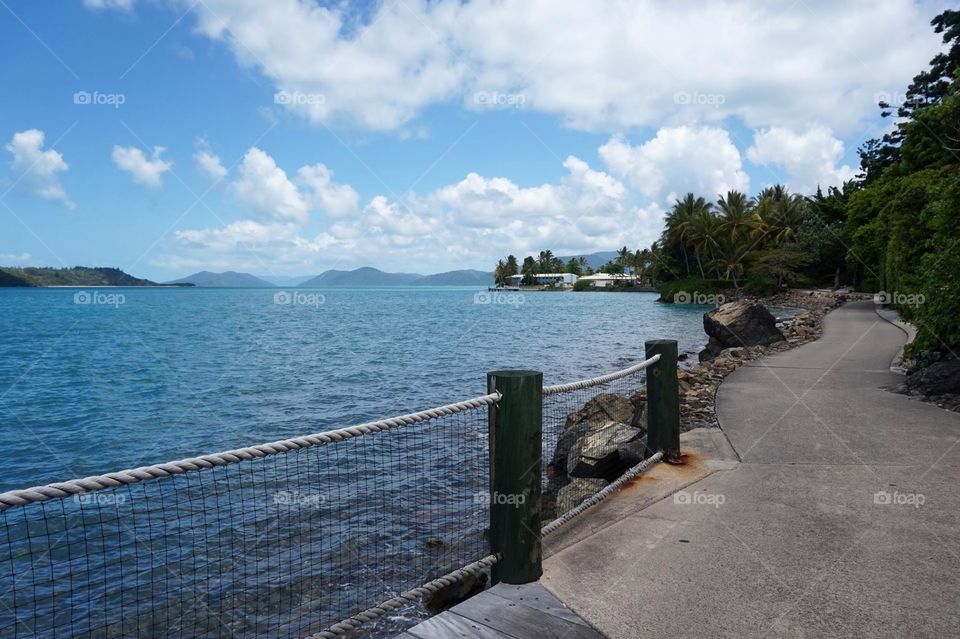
(395, 603)
(602, 379)
(273, 540)
(146, 473)
(605, 492)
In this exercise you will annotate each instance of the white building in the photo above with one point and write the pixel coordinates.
(604, 280)
(544, 279)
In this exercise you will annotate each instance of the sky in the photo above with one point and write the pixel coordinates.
(287, 137)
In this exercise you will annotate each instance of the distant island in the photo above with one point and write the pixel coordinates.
(363, 276)
(76, 276)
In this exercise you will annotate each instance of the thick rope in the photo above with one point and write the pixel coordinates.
(601, 495)
(409, 596)
(603, 379)
(157, 471)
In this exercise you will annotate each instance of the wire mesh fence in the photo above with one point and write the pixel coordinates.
(593, 431)
(283, 545)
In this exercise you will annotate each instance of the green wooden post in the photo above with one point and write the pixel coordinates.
(516, 433)
(663, 399)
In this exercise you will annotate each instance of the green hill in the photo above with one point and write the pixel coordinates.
(76, 276)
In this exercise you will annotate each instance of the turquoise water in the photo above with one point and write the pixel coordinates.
(151, 375)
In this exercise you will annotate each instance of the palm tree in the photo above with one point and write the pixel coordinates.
(623, 257)
(737, 215)
(694, 224)
(780, 214)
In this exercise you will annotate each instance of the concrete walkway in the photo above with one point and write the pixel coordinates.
(842, 519)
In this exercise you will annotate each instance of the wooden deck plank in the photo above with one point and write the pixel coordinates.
(519, 620)
(538, 597)
(449, 625)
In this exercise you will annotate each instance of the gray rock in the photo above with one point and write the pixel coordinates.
(737, 324)
(940, 378)
(597, 454)
(603, 408)
(574, 493)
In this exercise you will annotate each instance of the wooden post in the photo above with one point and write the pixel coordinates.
(663, 400)
(516, 448)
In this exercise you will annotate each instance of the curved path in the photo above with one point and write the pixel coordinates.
(842, 520)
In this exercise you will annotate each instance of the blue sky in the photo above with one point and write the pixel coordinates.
(290, 137)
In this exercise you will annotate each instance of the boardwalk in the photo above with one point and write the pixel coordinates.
(506, 612)
(842, 519)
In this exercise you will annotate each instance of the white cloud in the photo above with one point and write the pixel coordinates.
(336, 200)
(209, 162)
(460, 225)
(122, 5)
(600, 66)
(809, 157)
(265, 189)
(144, 171)
(678, 160)
(10, 259)
(37, 169)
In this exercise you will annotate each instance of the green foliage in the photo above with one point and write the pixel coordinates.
(689, 285)
(582, 285)
(904, 221)
(761, 285)
(76, 276)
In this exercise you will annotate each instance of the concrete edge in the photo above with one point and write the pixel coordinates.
(909, 330)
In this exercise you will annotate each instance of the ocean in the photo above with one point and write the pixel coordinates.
(100, 380)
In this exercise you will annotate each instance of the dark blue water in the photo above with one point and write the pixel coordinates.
(170, 373)
(98, 381)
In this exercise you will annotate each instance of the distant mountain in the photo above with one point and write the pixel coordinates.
(465, 277)
(76, 276)
(594, 260)
(365, 276)
(226, 279)
(285, 280)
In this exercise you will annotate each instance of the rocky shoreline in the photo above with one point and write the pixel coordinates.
(605, 437)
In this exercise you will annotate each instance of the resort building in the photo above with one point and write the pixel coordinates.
(603, 280)
(544, 279)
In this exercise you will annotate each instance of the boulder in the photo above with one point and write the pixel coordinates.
(605, 451)
(603, 408)
(940, 378)
(737, 324)
(574, 493)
